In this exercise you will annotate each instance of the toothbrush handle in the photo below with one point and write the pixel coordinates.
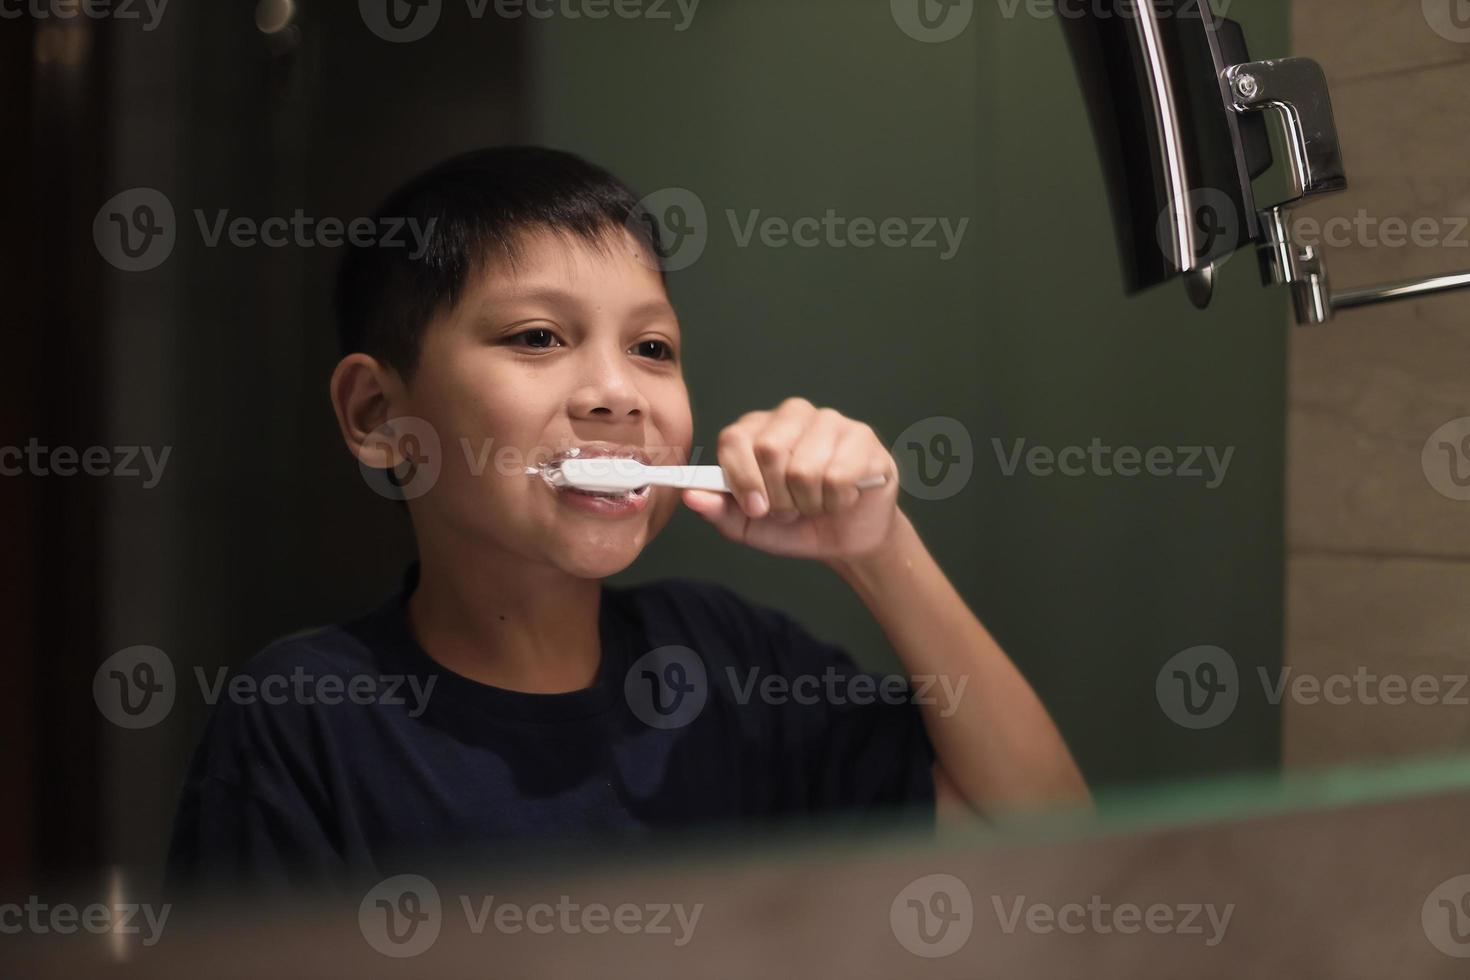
(688, 477)
(713, 478)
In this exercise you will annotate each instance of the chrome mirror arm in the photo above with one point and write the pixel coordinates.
(1295, 89)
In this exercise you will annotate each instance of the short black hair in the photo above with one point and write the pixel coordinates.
(479, 204)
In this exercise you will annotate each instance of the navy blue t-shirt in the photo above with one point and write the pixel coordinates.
(352, 752)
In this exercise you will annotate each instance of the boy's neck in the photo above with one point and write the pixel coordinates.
(502, 623)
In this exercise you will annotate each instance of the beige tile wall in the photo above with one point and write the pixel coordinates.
(1378, 560)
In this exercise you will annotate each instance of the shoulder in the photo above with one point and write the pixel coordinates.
(269, 705)
(322, 650)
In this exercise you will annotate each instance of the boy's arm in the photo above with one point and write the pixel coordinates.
(793, 472)
(994, 741)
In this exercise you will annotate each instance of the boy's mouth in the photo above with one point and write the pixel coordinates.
(616, 495)
(610, 502)
(627, 503)
(599, 450)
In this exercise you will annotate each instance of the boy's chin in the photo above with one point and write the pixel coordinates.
(597, 549)
(587, 559)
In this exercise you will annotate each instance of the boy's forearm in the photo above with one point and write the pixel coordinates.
(996, 741)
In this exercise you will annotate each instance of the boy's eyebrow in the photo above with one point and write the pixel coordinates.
(552, 295)
(652, 307)
(544, 294)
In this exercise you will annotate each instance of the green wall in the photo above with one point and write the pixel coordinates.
(1091, 583)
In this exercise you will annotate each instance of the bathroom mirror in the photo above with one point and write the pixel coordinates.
(1035, 246)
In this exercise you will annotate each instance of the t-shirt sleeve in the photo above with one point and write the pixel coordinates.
(226, 837)
(856, 738)
(253, 814)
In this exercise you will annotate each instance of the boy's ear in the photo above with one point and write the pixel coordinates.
(364, 392)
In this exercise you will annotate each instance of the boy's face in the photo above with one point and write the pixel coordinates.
(569, 347)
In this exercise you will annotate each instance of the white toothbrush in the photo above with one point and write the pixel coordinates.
(614, 474)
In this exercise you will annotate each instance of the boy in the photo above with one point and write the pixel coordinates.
(552, 705)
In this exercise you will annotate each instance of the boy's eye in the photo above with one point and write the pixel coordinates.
(537, 337)
(542, 338)
(656, 349)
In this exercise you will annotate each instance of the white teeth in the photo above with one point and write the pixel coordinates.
(618, 494)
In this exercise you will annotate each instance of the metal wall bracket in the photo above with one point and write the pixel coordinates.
(1295, 89)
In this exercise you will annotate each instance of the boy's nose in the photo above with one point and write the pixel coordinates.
(609, 388)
